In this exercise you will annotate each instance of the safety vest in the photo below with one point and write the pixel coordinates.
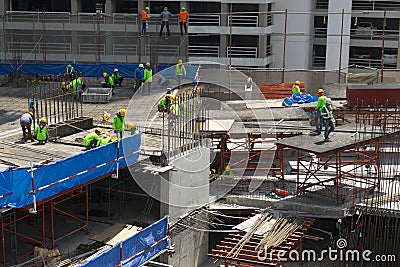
(296, 89)
(148, 74)
(89, 138)
(104, 141)
(74, 84)
(326, 112)
(183, 15)
(119, 123)
(180, 70)
(321, 102)
(41, 133)
(144, 15)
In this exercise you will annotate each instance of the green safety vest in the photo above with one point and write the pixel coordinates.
(41, 133)
(321, 102)
(296, 89)
(119, 123)
(89, 138)
(115, 76)
(104, 141)
(74, 84)
(179, 71)
(148, 75)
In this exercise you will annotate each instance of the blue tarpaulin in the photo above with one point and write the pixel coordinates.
(54, 178)
(88, 70)
(135, 250)
(298, 98)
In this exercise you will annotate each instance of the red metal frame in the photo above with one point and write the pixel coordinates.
(313, 164)
(248, 255)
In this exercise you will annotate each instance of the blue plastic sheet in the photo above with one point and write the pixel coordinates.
(136, 249)
(298, 98)
(87, 70)
(54, 178)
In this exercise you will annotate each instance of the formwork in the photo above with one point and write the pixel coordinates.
(97, 95)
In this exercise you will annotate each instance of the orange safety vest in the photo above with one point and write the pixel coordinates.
(144, 15)
(183, 15)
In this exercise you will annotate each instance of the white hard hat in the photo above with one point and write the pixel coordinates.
(140, 65)
(329, 101)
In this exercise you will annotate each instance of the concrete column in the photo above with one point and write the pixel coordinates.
(299, 32)
(334, 39)
(224, 38)
(76, 7)
(262, 39)
(109, 39)
(4, 6)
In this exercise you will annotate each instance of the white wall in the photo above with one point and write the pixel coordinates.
(334, 32)
(299, 34)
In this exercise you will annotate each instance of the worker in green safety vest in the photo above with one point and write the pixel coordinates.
(119, 123)
(77, 87)
(41, 131)
(92, 140)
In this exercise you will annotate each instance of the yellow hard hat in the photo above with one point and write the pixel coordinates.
(98, 131)
(183, 8)
(80, 78)
(43, 120)
(122, 112)
(180, 61)
(105, 74)
(115, 70)
(31, 113)
(148, 8)
(320, 90)
(63, 84)
(148, 64)
(130, 126)
(227, 168)
(297, 82)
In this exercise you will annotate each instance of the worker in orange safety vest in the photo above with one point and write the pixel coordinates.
(183, 16)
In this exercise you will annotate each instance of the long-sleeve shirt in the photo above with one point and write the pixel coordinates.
(148, 74)
(139, 74)
(26, 118)
(180, 70)
(165, 14)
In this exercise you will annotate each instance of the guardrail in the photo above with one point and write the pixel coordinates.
(32, 16)
(33, 47)
(163, 50)
(205, 20)
(319, 61)
(243, 20)
(91, 49)
(320, 32)
(124, 49)
(246, 52)
(376, 5)
(203, 51)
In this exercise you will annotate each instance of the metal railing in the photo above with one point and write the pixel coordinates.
(203, 51)
(91, 49)
(32, 47)
(243, 20)
(320, 32)
(322, 4)
(371, 63)
(268, 50)
(125, 49)
(375, 34)
(244, 52)
(376, 5)
(319, 61)
(91, 18)
(33, 17)
(205, 20)
(163, 50)
(122, 18)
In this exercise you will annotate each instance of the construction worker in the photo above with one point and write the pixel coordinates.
(41, 131)
(183, 16)
(165, 103)
(77, 87)
(92, 140)
(227, 171)
(165, 14)
(161, 81)
(318, 119)
(108, 81)
(296, 88)
(105, 139)
(119, 123)
(139, 77)
(116, 77)
(148, 77)
(26, 121)
(180, 71)
(69, 73)
(64, 87)
(329, 121)
(145, 17)
(132, 128)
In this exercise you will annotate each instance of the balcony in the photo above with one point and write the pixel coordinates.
(243, 20)
(242, 52)
(203, 51)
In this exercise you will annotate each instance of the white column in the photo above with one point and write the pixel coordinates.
(334, 39)
(299, 31)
